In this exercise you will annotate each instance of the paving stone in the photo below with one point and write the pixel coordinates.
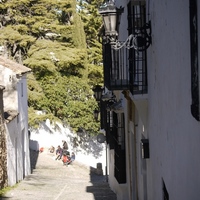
(51, 180)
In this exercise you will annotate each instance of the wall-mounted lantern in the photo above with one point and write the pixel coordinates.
(111, 19)
(145, 148)
(97, 92)
(140, 40)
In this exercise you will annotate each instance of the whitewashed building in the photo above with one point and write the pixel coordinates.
(13, 78)
(153, 137)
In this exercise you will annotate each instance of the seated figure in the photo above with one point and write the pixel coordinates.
(59, 152)
(72, 157)
(66, 159)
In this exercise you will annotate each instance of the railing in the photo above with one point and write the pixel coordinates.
(125, 69)
(116, 74)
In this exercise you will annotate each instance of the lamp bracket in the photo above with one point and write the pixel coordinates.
(140, 41)
(110, 39)
(114, 105)
(108, 96)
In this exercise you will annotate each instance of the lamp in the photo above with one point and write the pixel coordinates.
(140, 40)
(111, 18)
(98, 92)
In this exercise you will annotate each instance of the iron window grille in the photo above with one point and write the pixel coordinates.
(107, 123)
(114, 126)
(110, 129)
(137, 59)
(126, 69)
(120, 154)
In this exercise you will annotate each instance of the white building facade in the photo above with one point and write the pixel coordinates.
(153, 140)
(16, 119)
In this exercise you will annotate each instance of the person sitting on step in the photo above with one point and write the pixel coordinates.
(66, 159)
(59, 153)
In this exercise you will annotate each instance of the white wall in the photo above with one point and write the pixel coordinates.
(23, 120)
(8, 79)
(17, 129)
(14, 153)
(89, 151)
(173, 133)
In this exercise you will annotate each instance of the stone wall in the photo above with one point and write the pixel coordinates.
(3, 155)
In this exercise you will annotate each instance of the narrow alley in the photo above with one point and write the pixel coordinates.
(51, 180)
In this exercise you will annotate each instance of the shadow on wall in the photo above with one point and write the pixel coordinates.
(100, 187)
(34, 153)
(78, 142)
(34, 145)
(87, 143)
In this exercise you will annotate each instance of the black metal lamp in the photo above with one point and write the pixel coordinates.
(140, 40)
(98, 92)
(111, 19)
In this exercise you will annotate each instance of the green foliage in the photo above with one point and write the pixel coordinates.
(92, 23)
(35, 118)
(61, 47)
(48, 58)
(6, 189)
(71, 100)
(36, 97)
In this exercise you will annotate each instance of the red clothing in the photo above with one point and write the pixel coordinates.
(65, 159)
(41, 149)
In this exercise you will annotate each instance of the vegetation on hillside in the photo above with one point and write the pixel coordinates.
(58, 40)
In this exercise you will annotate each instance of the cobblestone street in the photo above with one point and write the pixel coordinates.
(51, 180)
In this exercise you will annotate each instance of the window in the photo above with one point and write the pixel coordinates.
(107, 123)
(124, 68)
(137, 58)
(165, 192)
(119, 147)
(194, 60)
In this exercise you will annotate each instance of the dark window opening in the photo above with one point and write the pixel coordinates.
(119, 147)
(107, 124)
(165, 192)
(194, 60)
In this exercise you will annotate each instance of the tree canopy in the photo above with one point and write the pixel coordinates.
(58, 40)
